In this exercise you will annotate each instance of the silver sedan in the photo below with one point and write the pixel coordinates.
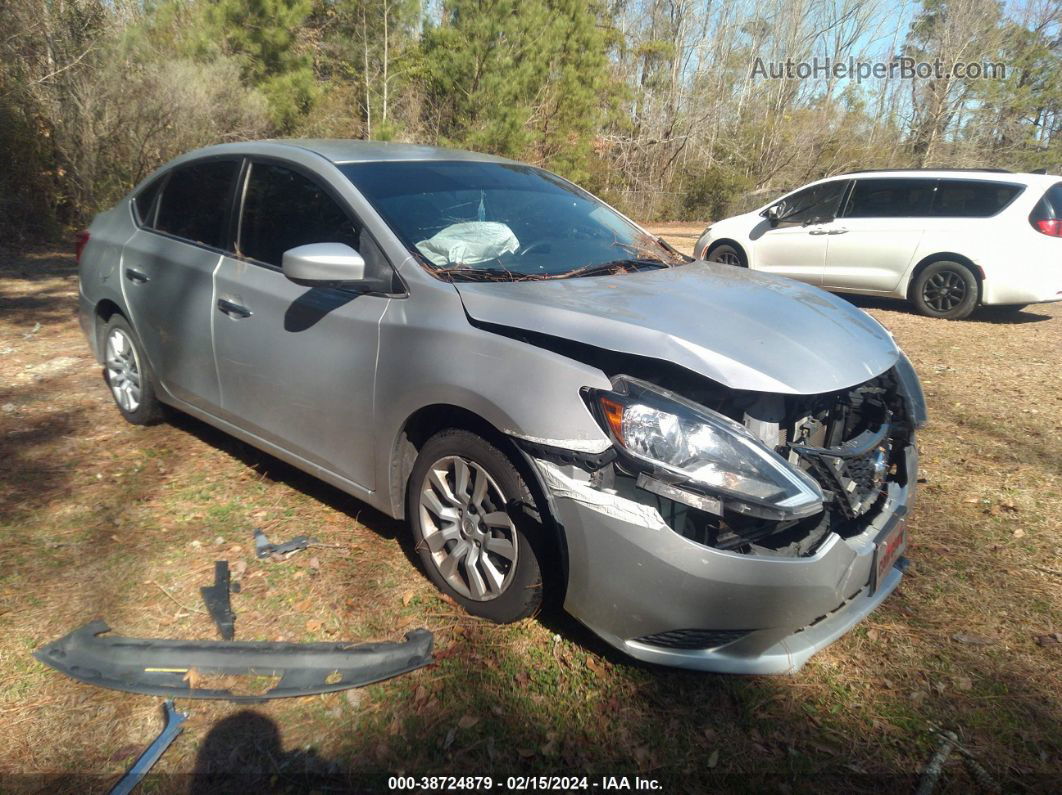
(709, 467)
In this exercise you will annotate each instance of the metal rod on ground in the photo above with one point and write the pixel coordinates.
(932, 772)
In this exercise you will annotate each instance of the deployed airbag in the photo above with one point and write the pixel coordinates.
(469, 243)
(162, 667)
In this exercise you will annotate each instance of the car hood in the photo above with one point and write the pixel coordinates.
(743, 329)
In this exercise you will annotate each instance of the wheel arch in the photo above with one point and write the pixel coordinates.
(727, 241)
(945, 256)
(106, 309)
(428, 420)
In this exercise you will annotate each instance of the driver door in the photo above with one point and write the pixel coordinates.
(297, 365)
(796, 247)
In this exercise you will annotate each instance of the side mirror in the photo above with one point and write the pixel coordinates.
(323, 264)
(774, 215)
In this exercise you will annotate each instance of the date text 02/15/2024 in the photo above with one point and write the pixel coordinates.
(523, 783)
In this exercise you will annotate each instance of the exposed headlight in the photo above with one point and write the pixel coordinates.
(707, 449)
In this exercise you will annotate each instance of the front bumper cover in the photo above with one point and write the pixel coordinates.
(161, 667)
(630, 576)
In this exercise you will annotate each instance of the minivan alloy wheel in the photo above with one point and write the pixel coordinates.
(472, 541)
(123, 370)
(944, 290)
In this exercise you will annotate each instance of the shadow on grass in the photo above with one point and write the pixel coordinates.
(984, 314)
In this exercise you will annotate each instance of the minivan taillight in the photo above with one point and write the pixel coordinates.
(79, 245)
(1048, 226)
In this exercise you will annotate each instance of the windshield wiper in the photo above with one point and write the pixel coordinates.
(482, 274)
(616, 266)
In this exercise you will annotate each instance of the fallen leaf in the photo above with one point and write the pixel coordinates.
(963, 683)
(713, 758)
(593, 665)
(872, 634)
(313, 625)
(973, 640)
(526, 753)
(193, 678)
(314, 565)
(421, 694)
(238, 569)
(407, 597)
(355, 698)
(467, 722)
(450, 735)
(1019, 533)
(1052, 639)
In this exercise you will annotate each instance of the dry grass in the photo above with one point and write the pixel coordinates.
(99, 518)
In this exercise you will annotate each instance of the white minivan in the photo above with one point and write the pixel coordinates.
(946, 240)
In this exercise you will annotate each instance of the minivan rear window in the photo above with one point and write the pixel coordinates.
(961, 198)
(890, 198)
(1050, 206)
(195, 202)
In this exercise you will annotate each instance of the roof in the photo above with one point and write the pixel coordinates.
(991, 175)
(343, 150)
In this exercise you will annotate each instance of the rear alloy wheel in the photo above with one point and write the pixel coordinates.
(726, 254)
(474, 525)
(126, 372)
(945, 289)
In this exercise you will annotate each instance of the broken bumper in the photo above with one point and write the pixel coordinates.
(652, 593)
(162, 667)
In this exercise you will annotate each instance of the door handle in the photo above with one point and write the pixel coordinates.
(135, 276)
(233, 310)
(838, 231)
(818, 232)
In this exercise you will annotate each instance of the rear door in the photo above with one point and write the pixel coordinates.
(298, 364)
(796, 247)
(877, 233)
(167, 275)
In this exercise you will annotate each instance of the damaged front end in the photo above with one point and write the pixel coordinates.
(733, 530)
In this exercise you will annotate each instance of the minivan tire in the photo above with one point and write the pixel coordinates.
(512, 530)
(945, 289)
(124, 362)
(726, 254)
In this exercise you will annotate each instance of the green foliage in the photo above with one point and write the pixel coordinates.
(263, 36)
(521, 79)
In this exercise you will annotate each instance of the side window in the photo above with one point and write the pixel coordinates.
(958, 198)
(283, 209)
(195, 202)
(144, 202)
(890, 198)
(812, 205)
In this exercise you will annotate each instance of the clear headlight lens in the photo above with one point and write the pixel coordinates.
(705, 447)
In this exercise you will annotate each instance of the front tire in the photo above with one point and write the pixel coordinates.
(726, 254)
(475, 526)
(128, 374)
(946, 290)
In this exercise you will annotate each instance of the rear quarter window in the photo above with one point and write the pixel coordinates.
(144, 202)
(195, 202)
(972, 199)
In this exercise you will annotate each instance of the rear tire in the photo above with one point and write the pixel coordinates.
(128, 374)
(945, 289)
(726, 254)
(476, 527)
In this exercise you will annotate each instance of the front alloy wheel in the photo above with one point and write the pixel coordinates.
(472, 540)
(476, 526)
